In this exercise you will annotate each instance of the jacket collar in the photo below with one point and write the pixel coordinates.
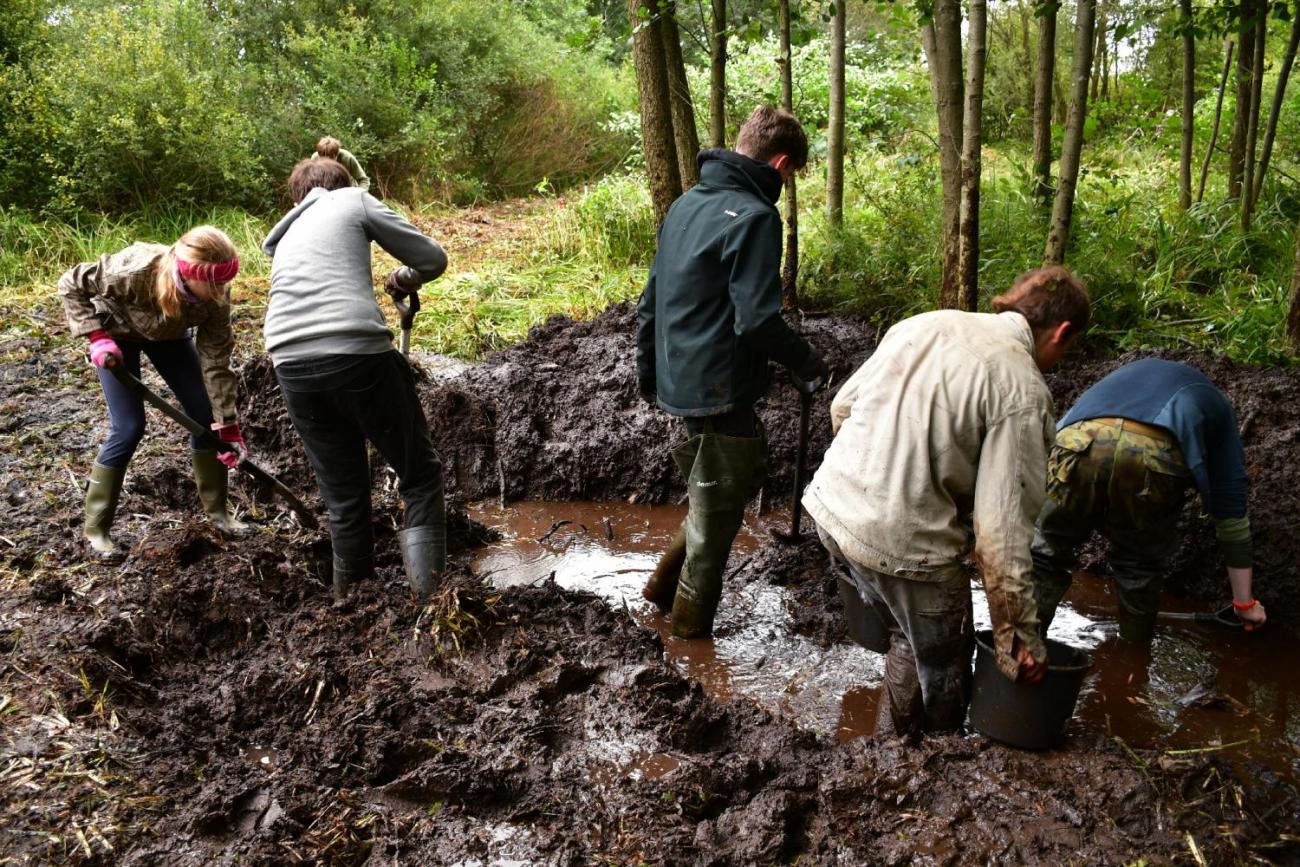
(273, 239)
(725, 168)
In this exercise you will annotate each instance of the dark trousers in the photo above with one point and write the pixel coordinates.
(926, 630)
(178, 364)
(337, 403)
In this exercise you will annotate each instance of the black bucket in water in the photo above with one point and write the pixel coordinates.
(865, 625)
(1031, 716)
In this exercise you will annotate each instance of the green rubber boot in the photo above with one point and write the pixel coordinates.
(102, 494)
(211, 477)
(347, 573)
(424, 554)
(722, 473)
(661, 589)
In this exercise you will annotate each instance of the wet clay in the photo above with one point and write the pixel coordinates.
(141, 695)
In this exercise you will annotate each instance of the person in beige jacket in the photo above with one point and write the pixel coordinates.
(941, 442)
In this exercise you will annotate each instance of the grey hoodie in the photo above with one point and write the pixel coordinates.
(322, 295)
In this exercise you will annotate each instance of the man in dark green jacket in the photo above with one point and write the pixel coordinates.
(709, 321)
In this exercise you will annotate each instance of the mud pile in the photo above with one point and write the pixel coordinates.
(558, 416)
(243, 721)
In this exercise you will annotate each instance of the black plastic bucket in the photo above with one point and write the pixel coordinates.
(865, 625)
(1029, 716)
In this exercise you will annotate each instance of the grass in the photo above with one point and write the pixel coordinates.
(1159, 276)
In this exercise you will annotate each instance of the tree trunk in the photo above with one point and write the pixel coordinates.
(1218, 115)
(656, 111)
(941, 39)
(1252, 123)
(1097, 52)
(1027, 53)
(790, 264)
(1046, 75)
(835, 132)
(971, 142)
(1293, 311)
(1189, 104)
(1105, 62)
(1058, 237)
(718, 76)
(1283, 76)
(1245, 70)
(686, 137)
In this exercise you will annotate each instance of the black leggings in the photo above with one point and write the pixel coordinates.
(337, 403)
(178, 364)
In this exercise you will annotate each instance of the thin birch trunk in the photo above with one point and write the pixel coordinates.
(718, 76)
(1218, 115)
(686, 137)
(1058, 237)
(790, 264)
(1189, 104)
(1283, 76)
(1045, 77)
(1245, 71)
(1252, 123)
(835, 132)
(941, 39)
(968, 230)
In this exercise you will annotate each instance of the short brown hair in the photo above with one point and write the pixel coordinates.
(770, 131)
(1047, 297)
(329, 146)
(309, 174)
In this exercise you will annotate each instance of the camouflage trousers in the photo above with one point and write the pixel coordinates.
(1128, 481)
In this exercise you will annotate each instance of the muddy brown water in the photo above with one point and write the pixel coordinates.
(1200, 687)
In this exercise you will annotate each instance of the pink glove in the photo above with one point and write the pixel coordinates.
(102, 348)
(230, 433)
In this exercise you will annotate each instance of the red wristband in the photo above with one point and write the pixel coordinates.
(1245, 606)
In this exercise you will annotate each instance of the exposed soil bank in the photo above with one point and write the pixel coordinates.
(197, 701)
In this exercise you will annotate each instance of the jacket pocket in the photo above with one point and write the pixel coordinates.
(1070, 448)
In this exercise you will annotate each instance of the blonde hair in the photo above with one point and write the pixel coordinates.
(202, 245)
(328, 146)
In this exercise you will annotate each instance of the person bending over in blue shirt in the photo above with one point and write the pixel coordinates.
(1125, 456)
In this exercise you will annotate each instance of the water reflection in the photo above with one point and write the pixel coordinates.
(1196, 686)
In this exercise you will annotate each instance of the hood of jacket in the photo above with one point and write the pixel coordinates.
(273, 239)
(726, 168)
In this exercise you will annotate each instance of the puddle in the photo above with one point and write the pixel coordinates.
(1197, 687)
(267, 759)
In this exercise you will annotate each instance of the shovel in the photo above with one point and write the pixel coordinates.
(1223, 617)
(806, 391)
(407, 310)
(210, 440)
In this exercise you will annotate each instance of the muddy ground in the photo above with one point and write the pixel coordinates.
(197, 700)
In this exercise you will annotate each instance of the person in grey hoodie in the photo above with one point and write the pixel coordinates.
(343, 382)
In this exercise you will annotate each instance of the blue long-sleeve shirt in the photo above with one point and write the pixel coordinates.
(1182, 400)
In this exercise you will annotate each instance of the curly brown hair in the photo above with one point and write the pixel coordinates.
(1047, 297)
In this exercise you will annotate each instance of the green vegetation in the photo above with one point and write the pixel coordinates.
(123, 123)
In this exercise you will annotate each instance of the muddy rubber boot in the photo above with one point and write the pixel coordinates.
(346, 574)
(211, 477)
(661, 589)
(424, 554)
(102, 494)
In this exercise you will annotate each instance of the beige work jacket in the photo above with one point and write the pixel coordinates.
(116, 294)
(941, 445)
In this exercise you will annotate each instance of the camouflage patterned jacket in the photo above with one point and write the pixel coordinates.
(116, 294)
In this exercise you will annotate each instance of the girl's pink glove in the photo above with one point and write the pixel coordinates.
(230, 433)
(102, 348)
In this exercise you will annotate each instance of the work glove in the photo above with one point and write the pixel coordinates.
(102, 348)
(230, 433)
(813, 368)
(394, 287)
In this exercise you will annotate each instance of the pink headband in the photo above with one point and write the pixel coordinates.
(208, 272)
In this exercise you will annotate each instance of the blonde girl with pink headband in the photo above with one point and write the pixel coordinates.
(172, 305)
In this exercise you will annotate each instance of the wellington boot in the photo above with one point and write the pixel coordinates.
(102, 494)
(347, 572)
(424, 554)
(211, 477)
(661, 589)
